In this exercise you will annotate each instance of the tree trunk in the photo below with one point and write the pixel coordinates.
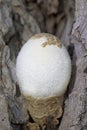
(75, 111)
(19, 20)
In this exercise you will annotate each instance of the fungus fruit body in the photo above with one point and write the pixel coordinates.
(43, 70)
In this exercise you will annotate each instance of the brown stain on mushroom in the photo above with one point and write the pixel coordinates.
(51, 39)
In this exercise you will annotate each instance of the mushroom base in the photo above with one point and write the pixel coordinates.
(41, 109)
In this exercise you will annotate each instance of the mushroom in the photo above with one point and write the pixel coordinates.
(43, 70)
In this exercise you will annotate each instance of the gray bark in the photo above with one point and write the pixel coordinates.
(75, 111)
(19, 20)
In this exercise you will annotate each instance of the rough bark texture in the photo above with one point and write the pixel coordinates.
(19, 20)
(75, 110)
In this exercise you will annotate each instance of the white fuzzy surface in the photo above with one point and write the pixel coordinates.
(43, 71)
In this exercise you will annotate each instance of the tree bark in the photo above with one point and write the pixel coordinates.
(75, 111)
(19, 20)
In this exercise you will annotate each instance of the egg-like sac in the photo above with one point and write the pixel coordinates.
(43, 72)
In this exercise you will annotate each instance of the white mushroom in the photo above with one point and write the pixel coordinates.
(43, 70)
